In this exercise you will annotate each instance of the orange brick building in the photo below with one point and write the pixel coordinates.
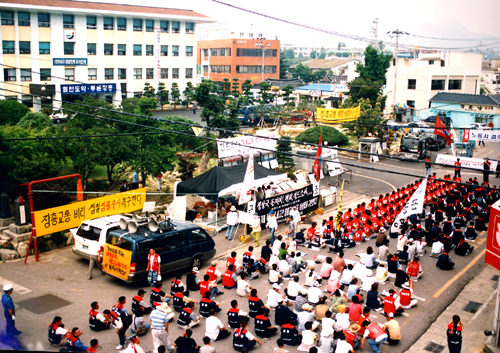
(239, 57)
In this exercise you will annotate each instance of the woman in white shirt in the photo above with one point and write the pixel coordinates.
(312, 278)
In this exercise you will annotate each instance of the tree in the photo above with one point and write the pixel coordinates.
(148, 91)
(128, 104)
(303, 72)
(330, 134)
(313, 54)
(341, 45)
(226, 88)
(35, 121)
(289, 53)
(175, 93)
(247, 86)
(284, 66)
(322, 53)
(284, 150)
(371, 116)
(186, 168)
(162, 94)
(187, 139)
(188, 93)
(319, 75)
(11, 111)
(287, 91)
(235, 90)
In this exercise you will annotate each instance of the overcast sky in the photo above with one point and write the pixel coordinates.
(442, 18)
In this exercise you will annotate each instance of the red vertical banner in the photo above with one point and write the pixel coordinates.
(317, 160)
(493, 244)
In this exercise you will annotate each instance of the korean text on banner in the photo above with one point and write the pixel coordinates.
(246, 190)
(324, 115)
(338, 220)
(481, 135)
(116, 261)
(413, 206)
(476, 163)
(69, 216)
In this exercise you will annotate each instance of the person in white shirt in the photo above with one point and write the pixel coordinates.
(312, 278)
(215, 329)
(285, 268)
(342, 345)
(277, 245)
(295, 214)
(347, 275)
(437, 248)
(273, 260)
(231, 221)
(243, 286)
(293, 288)
(274, 297)
(402, 240)
(272, 224)
(274, 274)
(306, 315)
(314, 294)
(342, 318)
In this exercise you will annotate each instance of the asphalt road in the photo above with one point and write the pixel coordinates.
(62, 274)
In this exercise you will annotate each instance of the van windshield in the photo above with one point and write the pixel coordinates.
(119, 242)
(89, 232)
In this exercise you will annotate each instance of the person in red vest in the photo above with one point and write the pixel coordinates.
(74, 344)
(414, 269)
(94, 343)
(207, 285)
(454, 334)
(351, 336)
(364, 316)
(238, 268)
(154, 265)
(390, 304)
(404, 299)
(138, 303)
(229, 278)
(376, 335)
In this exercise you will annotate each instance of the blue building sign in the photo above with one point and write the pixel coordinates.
(69, 62)
(89, 89)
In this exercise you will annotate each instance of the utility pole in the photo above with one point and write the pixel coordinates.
(374, 31)
(391, 34)
(263, 46)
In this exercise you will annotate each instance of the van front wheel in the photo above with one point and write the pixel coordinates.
(197, 261)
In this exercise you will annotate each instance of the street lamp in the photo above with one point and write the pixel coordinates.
(263, 45)
(43, 89)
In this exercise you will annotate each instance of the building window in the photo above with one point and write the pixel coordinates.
(91, 22)
(8, 18)
(256, 52)
(250, 35)
(149, 49)
(412, 83)
(176, 25)
(109, 73)
(205, 52)
(8, 47)
(164, 50)
(68, 21)
(137, 25)
(437, 85)
(431, 62)
(189, 51)
(44, 48)
(69, 74)
(91, 49)
(221, 69)
(108, 49)
(164, 73)
(175, 50)
(269, 69)
(255, 69)
(150, 73)
(442, 63)
(189, 27)
(175, 73)
(9, 74)
(121, 24)
(122, 49)
(137, 49)
(69, 48)
(221, 52)
(108, 23)
(242, 34)
(205, 68)
(92, 73)
(23, 19)
(25, 74)
(150, 25)
(164, 26)
(43, 20)
(122, 74)
(138, 74)
(454, 84)
(24, 47)
(189, 72)
(45, 74)
(27, 100)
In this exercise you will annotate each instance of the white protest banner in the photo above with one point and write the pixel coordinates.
(413, 206)
(246, 194)
(481, 135)
(241, 146)
(476, 163)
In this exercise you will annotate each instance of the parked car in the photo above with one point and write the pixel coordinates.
(434, 142)
(413, 146)
(431, 120)
(180, 245)
(246, 112)
(258, 112)
(91, 234)
(477, 126)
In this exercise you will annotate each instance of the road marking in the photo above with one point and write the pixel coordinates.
(465, 269)
(484, 305)
(17, 288)
(383, 181)
(418, 298)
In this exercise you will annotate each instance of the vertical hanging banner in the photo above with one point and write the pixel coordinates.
(246, 190)
(69, 216)
(413, 206)
(338, 220)
(157, 57)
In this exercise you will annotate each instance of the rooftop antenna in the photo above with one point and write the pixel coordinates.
(374, 32)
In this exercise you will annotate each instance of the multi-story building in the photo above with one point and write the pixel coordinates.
(421, 74)
(60, 50)
(242, 58)
(490, 75)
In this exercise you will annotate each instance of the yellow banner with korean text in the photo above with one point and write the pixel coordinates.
(69, 216)
(337, 116)
(116, 261)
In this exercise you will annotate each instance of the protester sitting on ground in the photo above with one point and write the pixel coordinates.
(470, 232)
(314, 295)
(185, 344)
(463, 248)
(243, 286)
(263, 326)
(255, 304)
(437, 248)
(289, 334)
(312, 278)
(372, 298)
(234, 315)
(293, 288)
(97, 321)
(405, 296)
(390, 304)
(187, 318)
(383, 250)
(392, 329)
(414, 269)
(342, 318)
(444, 262)
(347, 275)
(282, 312)
(333, 282)
(157, 296)
(326, 268)
(370, 261)
(207, 305)
(309, 338)
(353, 288)
(382, 274)
(139, 327)
(392, 264)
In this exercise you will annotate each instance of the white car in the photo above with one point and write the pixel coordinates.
(91, 235)
(477, 126)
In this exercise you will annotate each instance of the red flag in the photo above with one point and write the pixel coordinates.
(441, 131)
(317, 160)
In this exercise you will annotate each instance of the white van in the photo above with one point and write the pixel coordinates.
(91, 234)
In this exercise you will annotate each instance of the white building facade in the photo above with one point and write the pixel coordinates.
(61, 50)
(421, 74)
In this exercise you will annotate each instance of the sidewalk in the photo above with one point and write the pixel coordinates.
(434, 339)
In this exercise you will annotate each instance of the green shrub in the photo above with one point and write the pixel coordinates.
(330, 134)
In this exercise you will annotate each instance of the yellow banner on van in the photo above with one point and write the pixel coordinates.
(116, 261)
(69, 216)
(337, 116)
